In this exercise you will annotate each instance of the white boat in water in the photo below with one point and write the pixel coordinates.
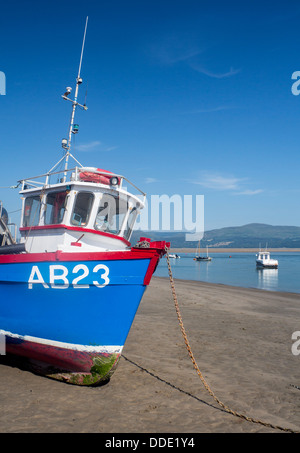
(174, 255)
(264, 261)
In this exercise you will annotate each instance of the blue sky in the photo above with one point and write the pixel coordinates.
(185, 97)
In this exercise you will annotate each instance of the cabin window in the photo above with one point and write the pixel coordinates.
(130, 222)
(82, 208)
(55, 207)
(111, 213)
(32, 210)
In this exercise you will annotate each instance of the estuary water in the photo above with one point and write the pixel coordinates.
(237, 269)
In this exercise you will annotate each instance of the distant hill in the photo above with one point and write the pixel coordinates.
(247, 236)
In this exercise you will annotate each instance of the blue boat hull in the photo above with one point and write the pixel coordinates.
(70, 318)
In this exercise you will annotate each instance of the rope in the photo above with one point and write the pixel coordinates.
(167, 382)
(207, 387)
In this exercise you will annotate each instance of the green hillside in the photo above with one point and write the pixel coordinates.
(252, 235)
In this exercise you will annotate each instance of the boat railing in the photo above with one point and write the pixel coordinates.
(34, 182)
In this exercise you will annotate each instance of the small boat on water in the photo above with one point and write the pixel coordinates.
(198, 257)
(69, 290)
(264, 260)
(174, 255)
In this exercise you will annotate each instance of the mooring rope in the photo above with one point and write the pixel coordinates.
(207, 387)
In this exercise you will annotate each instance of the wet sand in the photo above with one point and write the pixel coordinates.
(241, 340)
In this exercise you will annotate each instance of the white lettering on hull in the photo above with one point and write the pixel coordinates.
(61, 278)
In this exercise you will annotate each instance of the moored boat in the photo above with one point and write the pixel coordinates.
(69, 290)
(264, 260)
(199, 257)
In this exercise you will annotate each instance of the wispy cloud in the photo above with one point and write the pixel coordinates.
(176, 48)
(150, 180)
(215, 75)
(217, 181)
(90, 146)
(218, 108)
(94, 146)
(250, 192)
(186, 50)
(110, 148)
(178, 55)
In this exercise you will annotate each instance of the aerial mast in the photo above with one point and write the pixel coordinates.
(66, 143)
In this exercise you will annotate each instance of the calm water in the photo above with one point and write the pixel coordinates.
(239, 270)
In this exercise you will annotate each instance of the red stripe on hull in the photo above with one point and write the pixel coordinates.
(80, 229)
(79, 256)
(74, 367)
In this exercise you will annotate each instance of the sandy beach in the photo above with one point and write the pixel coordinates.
(241, 340)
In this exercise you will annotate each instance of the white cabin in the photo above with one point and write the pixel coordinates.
(90, 211)
(264, 260)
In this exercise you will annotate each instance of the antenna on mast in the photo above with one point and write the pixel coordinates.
(66, 143)
(83, 42)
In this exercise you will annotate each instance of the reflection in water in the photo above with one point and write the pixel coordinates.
(267, 278)
(239, 270)
(202, 270)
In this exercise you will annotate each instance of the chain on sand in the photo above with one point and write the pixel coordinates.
(207, 387)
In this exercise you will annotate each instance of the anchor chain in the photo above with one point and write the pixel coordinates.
(206, 385)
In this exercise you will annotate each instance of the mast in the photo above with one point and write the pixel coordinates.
(73, 129)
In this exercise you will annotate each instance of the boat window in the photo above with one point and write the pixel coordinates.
(32, 211)
(130, 222)
(82, 208)
(111, 213)
(55, 207)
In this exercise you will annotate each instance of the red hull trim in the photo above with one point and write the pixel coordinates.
(74, 367)
(77, 256)
(70, 228)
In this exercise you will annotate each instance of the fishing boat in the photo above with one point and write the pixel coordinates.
(70, 288)
(198, 257)
(264, 260)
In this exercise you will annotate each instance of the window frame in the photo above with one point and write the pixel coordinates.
(89, 211)
(107, 229)
(24, 222)
(130, 221)
(45, 205)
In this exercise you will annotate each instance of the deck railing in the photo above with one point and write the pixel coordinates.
(74, 176)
